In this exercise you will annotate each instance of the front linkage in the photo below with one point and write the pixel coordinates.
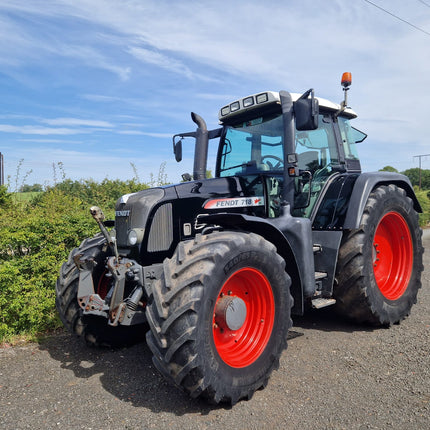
(118, 309)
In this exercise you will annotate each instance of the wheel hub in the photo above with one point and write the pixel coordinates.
(230, 313)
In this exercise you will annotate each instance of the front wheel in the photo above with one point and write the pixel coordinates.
(380, 264)
(219, 316)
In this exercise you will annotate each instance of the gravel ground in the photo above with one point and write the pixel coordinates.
(334, 375)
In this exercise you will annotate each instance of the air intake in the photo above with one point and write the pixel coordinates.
(161, 235)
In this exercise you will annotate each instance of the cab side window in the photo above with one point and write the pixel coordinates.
(316, 149)
(350, 137)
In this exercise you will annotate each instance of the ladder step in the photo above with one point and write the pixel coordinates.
(317, 248)
(322, 303)
(320, 275)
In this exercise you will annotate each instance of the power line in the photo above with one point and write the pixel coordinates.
(423, 2)
(398, 17)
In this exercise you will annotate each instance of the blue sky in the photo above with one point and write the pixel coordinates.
(99, 84)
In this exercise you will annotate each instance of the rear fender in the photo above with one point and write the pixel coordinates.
(365, 184)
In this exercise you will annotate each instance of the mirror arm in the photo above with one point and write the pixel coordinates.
(182, 135)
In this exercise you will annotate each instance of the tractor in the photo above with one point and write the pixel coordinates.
(212, 269)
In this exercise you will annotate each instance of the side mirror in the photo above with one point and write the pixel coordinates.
(177, 145)
(177, 149)
(306, 111)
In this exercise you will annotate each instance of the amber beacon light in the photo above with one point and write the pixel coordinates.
(346, 79)
(346, 82)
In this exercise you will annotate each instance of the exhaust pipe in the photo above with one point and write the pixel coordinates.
(201, 148)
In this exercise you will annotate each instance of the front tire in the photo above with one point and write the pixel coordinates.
(380, 264)
(219, 316)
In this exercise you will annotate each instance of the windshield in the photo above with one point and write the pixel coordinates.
(253, 146)
(256, 146)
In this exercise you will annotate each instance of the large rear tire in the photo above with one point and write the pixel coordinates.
(93, 329)
(379, 267)
(219, 316)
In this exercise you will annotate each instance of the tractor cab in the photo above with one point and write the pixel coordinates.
(289, 151)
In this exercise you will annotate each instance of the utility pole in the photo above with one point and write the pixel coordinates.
(419, 169)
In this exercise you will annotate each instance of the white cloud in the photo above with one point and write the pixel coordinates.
(92, 58)
(142, 133)
(168, 63)
(131, 132)
(77, 122)
(216, 97)
(23, 44)
(100, 98)
(61, 141)
(160, 60)
(34, 129)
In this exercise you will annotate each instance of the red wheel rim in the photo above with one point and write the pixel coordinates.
(392, 255)
(104, 285)
(241, 347)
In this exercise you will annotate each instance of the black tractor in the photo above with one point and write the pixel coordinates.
(213, 269)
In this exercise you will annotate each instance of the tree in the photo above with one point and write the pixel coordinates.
(389, 169)
(414, 176)
(31, 188)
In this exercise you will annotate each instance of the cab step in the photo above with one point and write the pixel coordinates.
(322, 303)
(320, 275)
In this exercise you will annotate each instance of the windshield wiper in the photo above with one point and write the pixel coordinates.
(247, 164)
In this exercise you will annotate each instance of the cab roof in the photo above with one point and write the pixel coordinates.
(269, 98)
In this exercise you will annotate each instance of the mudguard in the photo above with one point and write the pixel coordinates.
(292, 237)
(364, 185)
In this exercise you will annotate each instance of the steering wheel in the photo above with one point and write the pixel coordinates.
(279, 162)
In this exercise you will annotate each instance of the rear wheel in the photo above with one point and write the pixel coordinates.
(380, 264)
(219, 316)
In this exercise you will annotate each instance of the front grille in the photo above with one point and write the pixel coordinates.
(161, 234)
(121, 228)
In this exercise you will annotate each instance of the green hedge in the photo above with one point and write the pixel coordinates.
(37, 232)
(423, 197)
(35, 238)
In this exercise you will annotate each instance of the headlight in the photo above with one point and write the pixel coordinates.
(225, 110)
(135, 236)
(249, 101)
(262, 98)
(234, 107)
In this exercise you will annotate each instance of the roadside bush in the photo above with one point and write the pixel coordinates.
(423, 197)
(103, 194)
(38, 229)
(35, 238)
(5, 197)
